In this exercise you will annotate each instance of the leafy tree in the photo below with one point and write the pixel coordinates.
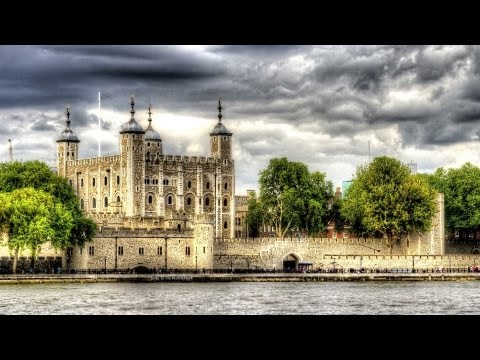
(255, 216)
(385, 197)
(32, 218)
(37, 175)
(461, 188)
(292, 197)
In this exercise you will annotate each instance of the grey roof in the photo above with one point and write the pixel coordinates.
(132, 126)
(151, 134)
(68, 134)
(220, 129)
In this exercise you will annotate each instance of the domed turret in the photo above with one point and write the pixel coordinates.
(132, 126)
(220, 129)
(150, 134)
(68, 135)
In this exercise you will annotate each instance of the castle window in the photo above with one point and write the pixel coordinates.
(70, 251)
(118, 179)
(118, 198)
(71, 183)
(204, 249)
(81, 251)
(238, 221)
(238, 233)
(225, 225)
(169, 200)
(165, 181)
(225, 162)
(159, 251)
(150, 199)
(105, 202)
(81, 204)
(225, 202)
(218, 202)
(208, 185)
(93, 182)
(136, 188)
(94, 203)
(200, 201)
(148, 155)
(189, 184)
(189, 201)
(91, 250)
(73, 153)
(141, 251)
(207, 202)
(225, 186)
(148, 145)
(105, 181)
(120, 250)
(81, 182)
(187, 250)
(68, 153)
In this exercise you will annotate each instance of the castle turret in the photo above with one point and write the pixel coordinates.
(132, 153)
(67, 147)
(153, 141)
(220, 138)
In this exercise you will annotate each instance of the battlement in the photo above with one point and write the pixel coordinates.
(111, 159)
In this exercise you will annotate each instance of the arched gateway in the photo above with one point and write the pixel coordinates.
(290, 262)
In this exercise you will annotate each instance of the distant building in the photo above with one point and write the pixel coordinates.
(412, 166)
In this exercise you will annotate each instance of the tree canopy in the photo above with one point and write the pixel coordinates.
(385, 197)
(37, 205)
(461, 188)
(292, 197)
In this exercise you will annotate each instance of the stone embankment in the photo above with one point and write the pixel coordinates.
(266, 277)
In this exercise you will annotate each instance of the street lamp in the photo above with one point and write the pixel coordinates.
(105, 264)
(413, 264)
(196, 268)
(361, 258)
(166, 250)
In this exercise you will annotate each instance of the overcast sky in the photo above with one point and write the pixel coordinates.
(317, 104)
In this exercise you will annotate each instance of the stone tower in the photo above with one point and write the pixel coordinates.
(132, 155)
(67, 147)
(221, 150)
(153, 153)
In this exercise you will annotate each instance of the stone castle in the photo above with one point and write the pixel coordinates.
(161, 211)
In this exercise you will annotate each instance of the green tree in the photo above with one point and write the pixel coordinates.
(385, 197)
(292, 197)
(461, 188)
(32, 218)
(255, 216)
(37, 175)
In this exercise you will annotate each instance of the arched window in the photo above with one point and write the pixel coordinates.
(225, 202)
(169, 201)
(93, 182)
(81, 182)
(118, 179)
(150, 199)
(225, 186)
(81, 204)
(105, 181)
(148, 153)
(94, 203)
(225, 225)
(189, 201)
(105, 202)
(118, 198)
(207, 202)
(189, 184)
(208, 185)
(71, 183)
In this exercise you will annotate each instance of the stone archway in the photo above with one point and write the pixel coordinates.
(290, 263)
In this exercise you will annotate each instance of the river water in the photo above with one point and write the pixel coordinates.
(420, 297)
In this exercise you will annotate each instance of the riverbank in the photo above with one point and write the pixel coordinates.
(262, 277)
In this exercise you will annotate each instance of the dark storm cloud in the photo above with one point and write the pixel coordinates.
(409, 96)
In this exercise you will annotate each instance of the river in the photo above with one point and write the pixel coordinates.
(422, 297)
